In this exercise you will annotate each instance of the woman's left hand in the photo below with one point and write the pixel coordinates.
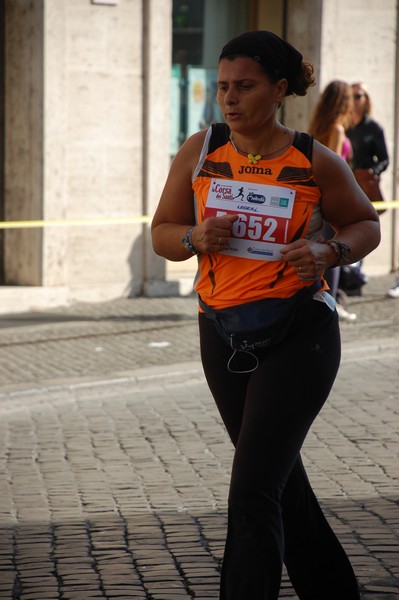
(309, 259)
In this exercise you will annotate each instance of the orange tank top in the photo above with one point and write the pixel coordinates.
(277, 202)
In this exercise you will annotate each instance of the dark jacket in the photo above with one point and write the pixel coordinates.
(368, 146)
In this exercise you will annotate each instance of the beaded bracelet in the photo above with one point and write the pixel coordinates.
(340, 250)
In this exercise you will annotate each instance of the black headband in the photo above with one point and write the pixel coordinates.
(278, 58)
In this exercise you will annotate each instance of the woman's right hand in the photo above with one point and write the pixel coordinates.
(212, 235)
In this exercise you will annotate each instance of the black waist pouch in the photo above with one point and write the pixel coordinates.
(258, 324)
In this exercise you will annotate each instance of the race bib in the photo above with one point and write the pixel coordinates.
(264, 213)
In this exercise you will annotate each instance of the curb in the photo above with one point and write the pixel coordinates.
(173, 373)
(149, 375)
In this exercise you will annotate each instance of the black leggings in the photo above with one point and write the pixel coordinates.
(273, 514)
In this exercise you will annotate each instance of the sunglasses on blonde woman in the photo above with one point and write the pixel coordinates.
(358, 96)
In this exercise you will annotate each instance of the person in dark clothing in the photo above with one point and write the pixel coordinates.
(369, 150)
(369, 159)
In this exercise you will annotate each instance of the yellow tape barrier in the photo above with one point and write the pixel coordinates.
(386, 204)
(116, 220)
(73, 222)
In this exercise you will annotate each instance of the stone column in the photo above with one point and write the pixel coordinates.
(157, 62)
(23, 171)
(304, 31)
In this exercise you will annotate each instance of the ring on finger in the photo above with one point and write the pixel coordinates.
(299, 268)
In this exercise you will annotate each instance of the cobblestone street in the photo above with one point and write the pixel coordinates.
(115, 464)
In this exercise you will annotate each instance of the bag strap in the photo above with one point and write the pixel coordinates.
(207, 309)
(219, 137)
(302, 293)
(304, 143)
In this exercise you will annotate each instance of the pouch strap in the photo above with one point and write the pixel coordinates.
(309, 290)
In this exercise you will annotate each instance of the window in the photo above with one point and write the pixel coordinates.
(200, 28)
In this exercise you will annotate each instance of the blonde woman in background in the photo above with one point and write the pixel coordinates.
(330, 120)
(332, 117)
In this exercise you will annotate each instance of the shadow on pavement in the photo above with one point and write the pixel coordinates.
(171, 555)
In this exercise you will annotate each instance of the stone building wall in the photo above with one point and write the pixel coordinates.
(87, 96)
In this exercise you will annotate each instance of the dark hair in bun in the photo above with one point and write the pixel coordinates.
(277, 57)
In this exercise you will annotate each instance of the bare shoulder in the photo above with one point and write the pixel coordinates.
(338, 127)
(196, 140)
(327, 163)
(190, 151)
(176, 202)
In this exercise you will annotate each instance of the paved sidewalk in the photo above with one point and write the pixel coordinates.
(118, 337)
(115, 464)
